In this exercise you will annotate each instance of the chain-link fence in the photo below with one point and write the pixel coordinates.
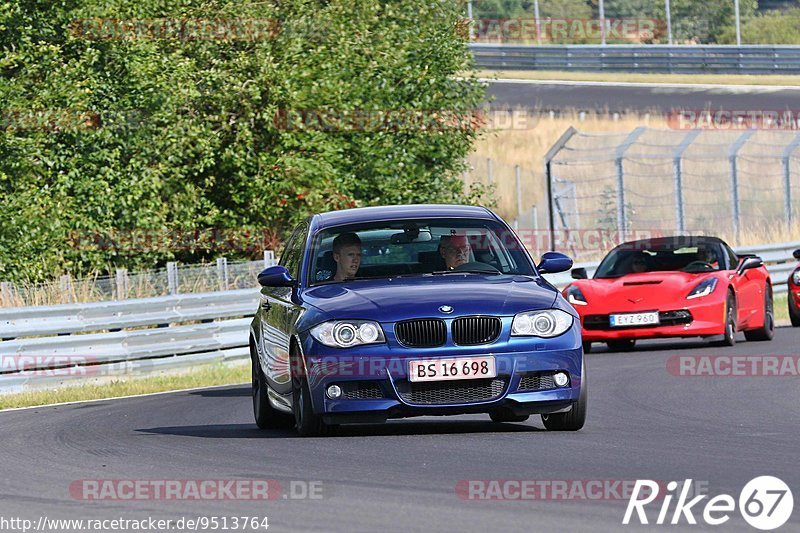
(740, 185)
(174, 279)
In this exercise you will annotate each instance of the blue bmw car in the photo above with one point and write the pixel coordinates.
(418, 310)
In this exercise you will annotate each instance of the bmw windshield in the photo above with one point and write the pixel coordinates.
(416, 247)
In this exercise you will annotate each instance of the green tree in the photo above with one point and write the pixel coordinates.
(775, 27)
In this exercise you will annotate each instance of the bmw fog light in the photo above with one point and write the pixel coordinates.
(334, 392)
(561, 379)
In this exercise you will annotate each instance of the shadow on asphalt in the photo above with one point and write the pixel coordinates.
(403, 427)
(224, 393)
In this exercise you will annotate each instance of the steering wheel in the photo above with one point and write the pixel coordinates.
(707, 266)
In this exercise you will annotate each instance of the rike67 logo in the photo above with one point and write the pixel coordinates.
(765, 503)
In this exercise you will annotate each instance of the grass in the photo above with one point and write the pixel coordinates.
(206, 376)
(706, 79)
(781, 307)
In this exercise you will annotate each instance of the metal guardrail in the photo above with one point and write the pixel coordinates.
(777, 257)
(684, 59)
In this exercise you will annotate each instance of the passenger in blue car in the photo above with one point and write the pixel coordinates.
(347, 255)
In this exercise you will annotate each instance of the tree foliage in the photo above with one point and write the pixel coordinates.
(102, 135)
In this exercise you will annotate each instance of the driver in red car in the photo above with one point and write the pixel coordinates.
(455, 250)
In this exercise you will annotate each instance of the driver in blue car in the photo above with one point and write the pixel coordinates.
(455, 250)
(347, 255)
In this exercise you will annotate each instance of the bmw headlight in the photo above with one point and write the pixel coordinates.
(546, 324)
(348, 333)
(704, 288)
(575, 296)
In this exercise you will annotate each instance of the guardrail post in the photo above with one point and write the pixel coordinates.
(787, 178)
(269, 258)
(222, 273)
(7, 293)
(172, 277)
(732, 155)
(65, 284)
(122, 283)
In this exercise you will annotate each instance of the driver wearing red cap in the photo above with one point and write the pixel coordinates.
(455, 250)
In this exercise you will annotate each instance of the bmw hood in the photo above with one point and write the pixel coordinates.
(391, 300)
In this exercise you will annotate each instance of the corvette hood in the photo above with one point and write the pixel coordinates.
(642, 291)
(403, 298)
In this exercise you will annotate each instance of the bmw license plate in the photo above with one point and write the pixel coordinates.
(449, 369)
(634, 319)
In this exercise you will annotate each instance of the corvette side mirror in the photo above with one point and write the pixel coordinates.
(750, 263)
(579, 273)
(796, 254)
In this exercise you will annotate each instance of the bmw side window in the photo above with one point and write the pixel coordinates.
(294, 251)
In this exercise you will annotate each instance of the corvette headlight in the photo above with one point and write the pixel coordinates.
(546, 324)
(704, 288)
(347, 333)
(796, 277)
(575, 296)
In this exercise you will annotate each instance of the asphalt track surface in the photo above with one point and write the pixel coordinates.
(642, 423)
(589, 97)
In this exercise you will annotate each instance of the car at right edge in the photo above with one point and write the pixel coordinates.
(673, 287)
(794, 293)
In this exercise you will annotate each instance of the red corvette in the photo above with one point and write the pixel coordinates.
(673, 287)
(794, 293)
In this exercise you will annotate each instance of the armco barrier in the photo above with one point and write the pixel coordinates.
(686, 59)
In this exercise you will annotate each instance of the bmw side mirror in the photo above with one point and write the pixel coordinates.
(796, 254)
(579, 273)
(750, 263)
(553, 263)
(275, 276)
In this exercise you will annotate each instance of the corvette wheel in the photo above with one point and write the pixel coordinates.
(575, 418)
(794, 313)
(265, 415)
(729, 337)
(308, 423)
(622, 345)
(767, 331)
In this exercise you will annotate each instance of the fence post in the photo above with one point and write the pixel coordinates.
(548, 174)
(122, 283)
(732, 155)
(489, 170)
(787, 178)
(677, 171)
(7, 293)
(622, 223)
(172, 277)
(518, 176)
(65, 284)
(222, 273)
(269, 258)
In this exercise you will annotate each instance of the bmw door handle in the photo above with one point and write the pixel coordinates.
(265, 305)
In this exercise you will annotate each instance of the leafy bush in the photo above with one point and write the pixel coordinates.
(775, 27)
(159, 135)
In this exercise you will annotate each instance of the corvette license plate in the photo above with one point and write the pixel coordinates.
(455, 368)
(634, 319)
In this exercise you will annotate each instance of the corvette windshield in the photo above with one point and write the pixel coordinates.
(636, 259)
(416, 247)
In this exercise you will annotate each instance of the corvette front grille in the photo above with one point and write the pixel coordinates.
(471, 330)
(451, 392)
(422, 333)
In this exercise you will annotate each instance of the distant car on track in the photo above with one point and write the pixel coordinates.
(391, 312)
(673, 287)
(794, 293)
